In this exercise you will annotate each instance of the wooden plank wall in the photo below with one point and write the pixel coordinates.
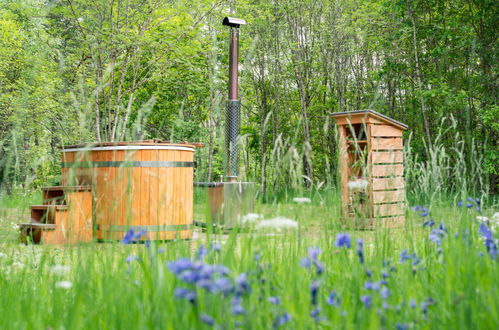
(387, 170)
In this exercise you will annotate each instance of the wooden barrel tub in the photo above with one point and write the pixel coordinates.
(144, 185)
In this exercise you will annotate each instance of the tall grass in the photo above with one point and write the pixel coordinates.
(448, 290)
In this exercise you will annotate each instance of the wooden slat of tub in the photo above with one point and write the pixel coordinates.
(132, 214)
(385, 131)
(153, 190)
(117, 188)
(386, 143)
(100, 190)
(189, 194)
(382, 210)
(387, 157)
(170, 203)
(145, 189)
(396, 182)
(388, 196)
(162, 189)
(184, 204)
(388, 170)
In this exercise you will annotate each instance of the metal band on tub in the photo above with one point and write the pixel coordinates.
(90, 164)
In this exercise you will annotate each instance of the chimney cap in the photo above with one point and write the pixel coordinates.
(233, 22)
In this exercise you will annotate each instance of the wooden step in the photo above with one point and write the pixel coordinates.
(32, 231)
(56, 195)
(46, 213)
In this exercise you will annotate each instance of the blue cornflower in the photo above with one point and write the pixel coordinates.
(131, 258)
(242, 284)
(424, 212)
(333, 299)
(237, 308)
(305, 262)
(469, 205)
(416, 208)
(207, 319)
(400, 326)
(343, 240)
(201, 252)
(360, 250)
(313, 253)
(384, 292)
(180, 265)
(425, 304)
(216, 247)
(131, 236)
(385, 274)
(282, 319)
(374, 285)
(315, 313)
(412, 303)
(275, 300)
(183, 293)
(314, 290)
(477, 201)
(367, 300)
(470, 199)
(257, 257)
(369, 273)
(490, 243)
(460, 203)
(429, 223)
(404, 255)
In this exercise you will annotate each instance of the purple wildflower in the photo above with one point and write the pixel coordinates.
(282, 319)
(333, 299)
(490, 243)
(360, 250)
(207, 319)
(242, 284)
(305, 262)
(131, 258)
(384, 292)
(343, 240)
(201, 252)
(313, 253)
(237, 308)
(132, 236)
(183, 293)
(275, 300)
(314, 290)
(366, 300)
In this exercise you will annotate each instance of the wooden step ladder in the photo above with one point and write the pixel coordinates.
(64, 218)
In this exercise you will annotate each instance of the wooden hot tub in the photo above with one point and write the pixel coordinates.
(144, 185)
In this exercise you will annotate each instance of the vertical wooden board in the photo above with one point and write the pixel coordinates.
(189, 185)
(383, 210)
(388, 196)
(175, 184)
(393, 222)
(170, 201)
(387, 170)
(133, 215)
(385, 131)
(386, 143)
(343, 166)
(387, 157)
(145, 188)
(153, 190)
(112, 195)
(396, 182)
(162, 190)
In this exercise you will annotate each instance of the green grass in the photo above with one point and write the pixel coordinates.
(108, 293)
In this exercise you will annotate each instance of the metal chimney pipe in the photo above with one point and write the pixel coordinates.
(233, 113)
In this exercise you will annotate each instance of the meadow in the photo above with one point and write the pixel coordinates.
(439, 271)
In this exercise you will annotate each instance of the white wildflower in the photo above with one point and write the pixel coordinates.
(302, 200)
(482, 218)
(59, 269)
(277, 223)
(250, 218)
(495, 217)
(359, 184)
(2, 255)
(15, 226)
(64, 284)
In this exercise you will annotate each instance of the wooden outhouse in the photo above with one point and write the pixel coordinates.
(371, 167)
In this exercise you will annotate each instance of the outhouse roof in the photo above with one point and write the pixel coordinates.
(372, 113)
